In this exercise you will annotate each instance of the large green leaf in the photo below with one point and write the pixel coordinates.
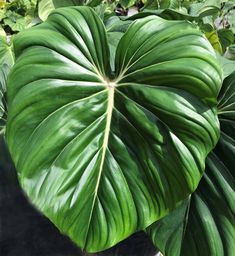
(205, 223)
(105, 153)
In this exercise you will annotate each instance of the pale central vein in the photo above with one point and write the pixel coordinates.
(109, 111)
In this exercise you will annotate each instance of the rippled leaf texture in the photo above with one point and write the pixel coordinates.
(103, 154)
(205, 224)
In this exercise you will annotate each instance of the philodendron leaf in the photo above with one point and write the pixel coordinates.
(205, 223)
(105, 153)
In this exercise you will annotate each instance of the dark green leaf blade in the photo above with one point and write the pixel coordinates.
(98, 152)
(64, 85)
(154, 57)
(205, 224)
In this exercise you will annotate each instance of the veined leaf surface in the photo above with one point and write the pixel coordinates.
(205, 223)
(105, 153)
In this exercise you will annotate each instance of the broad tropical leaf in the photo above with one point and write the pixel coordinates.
(104, 153)
(204, 224)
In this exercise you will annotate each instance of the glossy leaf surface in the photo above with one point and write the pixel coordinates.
(205, 223)
(104, 153)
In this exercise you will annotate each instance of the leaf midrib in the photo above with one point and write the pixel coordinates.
(104, 147)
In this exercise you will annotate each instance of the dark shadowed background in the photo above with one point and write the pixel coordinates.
(25, 232)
